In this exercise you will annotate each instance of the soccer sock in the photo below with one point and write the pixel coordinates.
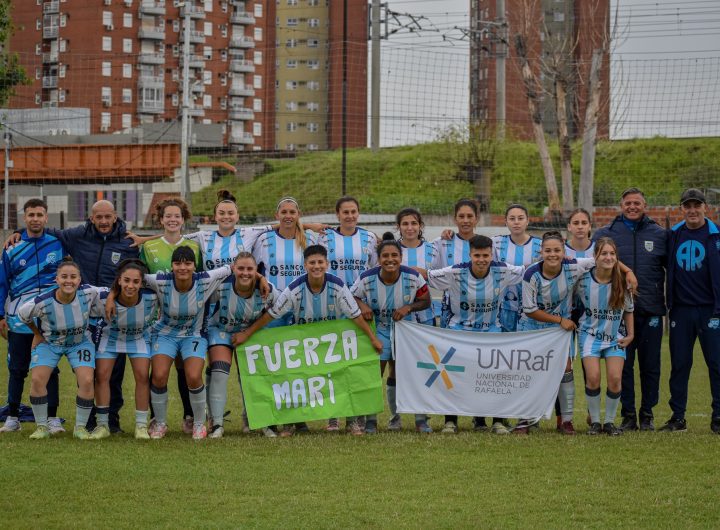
(141, 417)
(208, 379)
(567, 396)
(197, 402)
(593, 403)
(83, 407)
(13, 410)
(102, 414)
(217, 393)
(40, 409)
(392, 395)
(611, 404)
(184, 393)
(159, 400)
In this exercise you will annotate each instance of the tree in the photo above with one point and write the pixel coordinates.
(12, 73)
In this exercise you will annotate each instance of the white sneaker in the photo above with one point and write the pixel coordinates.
(12, 424)
(269, 433)
(55, 426)
(217, 431)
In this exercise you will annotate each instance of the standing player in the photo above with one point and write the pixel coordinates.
(389, 293)
(63, 316)
(607, 303)
(579, 244)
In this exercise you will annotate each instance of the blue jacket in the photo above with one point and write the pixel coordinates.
(97, 254)
(28, 269)
(645, 252)
(713, 254)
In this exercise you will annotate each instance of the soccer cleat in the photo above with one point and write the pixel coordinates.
(423, 427)
(158, 430)
(302, 428)
(567, 428)
(646, 423)
(499, 428)
(595, 429)
(715, 425)
(332, 425)
(217, 431)
(100, 432)
(612, 430)
(41, 432)
(479, 424)
(141, 432)
(675, 425)
(55, 426)
(268, 432)
(199, 431)
(450, 428)
(287, 431)
(12, 424)
(188, 425)
(629, 423)
(521, 428)
(357, 429)
(371, 427)
(395, 423)
(81, 433)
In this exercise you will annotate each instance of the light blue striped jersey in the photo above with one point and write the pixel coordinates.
(384, 299)
(184, 314)
(61, 324)
(571, 253)
(127, 332)
(599, 324)
(280, 260)
(452, 251)
(218, 250)
(552, 295)
(234, 313)
(350, 256)
(333, 302)
(475, 302)
(424, 256)
(506, 251)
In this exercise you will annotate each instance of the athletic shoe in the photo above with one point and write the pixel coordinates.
(332, 425)
(357, 429)
(521, 428)
(629, 423)
(141, 432)
(12, 424)
(41, 432)
(371, 427)
(450, 428)
(611, 429)
(479, 424)
(567, 428)
(499, 428)
(217, 431)
(268, 432)
(646, 423)
(188, 425)
(715, 425)
(158, 430)
(100, 432)
(81, 433)
(302, 428)
(675, 425)
(423, 427)
(595, 429)
(395, 423)
(55, 426)
(199, 431)
(115, 428)
(287, 431)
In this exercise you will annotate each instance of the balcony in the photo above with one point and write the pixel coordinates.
(51, 57)
(196, 37)
(194, 61)
(242, 42)
(50, 104)
(150, 32)
(242, 17)
(52, 7)
(196, 111)
(241, 113)
(242, 90)
(242, 65)
(197, 87)
(150, 107)
(151, 58)
(241, 138)
(151, 81)
(193, 11)
(51, 32)
(148, 7)
(49, 81)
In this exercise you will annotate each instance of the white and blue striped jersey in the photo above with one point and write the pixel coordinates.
(475, 302)
(350, 256)
(599, 324)
(280, 260)
(61, 324)
(127, 332)
(424, 256)
(333, 302)
(218, 250)
(184, 314)
(506, 251)
(552, 295)
(385, 299)
(235, 313)
(571, 253)
(452, 251)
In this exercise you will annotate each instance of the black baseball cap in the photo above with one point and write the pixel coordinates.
(692, 194)
(183, 254)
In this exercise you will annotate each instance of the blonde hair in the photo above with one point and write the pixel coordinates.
(300, 236)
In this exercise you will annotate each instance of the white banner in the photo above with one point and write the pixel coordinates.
(506, 375)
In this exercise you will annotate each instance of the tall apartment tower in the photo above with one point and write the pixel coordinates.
(583, 22)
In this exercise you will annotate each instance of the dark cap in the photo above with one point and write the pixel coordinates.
(183, 254)
(692, 194)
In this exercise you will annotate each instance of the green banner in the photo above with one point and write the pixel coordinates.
(309, 372)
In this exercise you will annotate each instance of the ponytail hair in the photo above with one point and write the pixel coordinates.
(553, 234)
(224, 196)
(127, 264)
(68, 261)
(618, 285)
(388, 239)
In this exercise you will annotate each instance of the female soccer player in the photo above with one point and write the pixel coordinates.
(390, 292)
(62, 315)
(238, 303)
(579, 244)
(607, 303)
(125, 333)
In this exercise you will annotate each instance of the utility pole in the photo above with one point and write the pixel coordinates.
(375, 76)
(184, 166)
(8, 164)
(500, 55)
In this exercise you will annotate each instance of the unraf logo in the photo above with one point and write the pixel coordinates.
(690, 255)
(440, 367)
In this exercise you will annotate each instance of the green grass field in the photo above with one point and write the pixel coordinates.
(389, 480)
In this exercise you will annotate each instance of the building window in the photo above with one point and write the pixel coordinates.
(223, 55)
(257, 81)
(258, 12)
(107, 18)
(290, 43)
(313, 43)
(257, 57)
(313, 107)
(127, 45)
(127, 20)
(313, 64)
(291, 126)
(207, 53)
(313, 127)
(61, 70)
(291, 63)
(292, 22)
(208, 26)
(223, 7)
(207, 101)
(207, 77)
(208, 6)
(127, 71)
(127, 95)
(313, 85)
(292, 2)
(258, 34)
(106, 69)
(224, 30)
(126, 121)
(290, 85)
(558, 16)
(105, 118)
(314, 22)
(107, 44)
(106, 95)
(257, 105)
(290, 105)
(223, 79)
(257, 129)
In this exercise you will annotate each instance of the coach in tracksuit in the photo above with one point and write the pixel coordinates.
(693, 295)
(641, 244)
